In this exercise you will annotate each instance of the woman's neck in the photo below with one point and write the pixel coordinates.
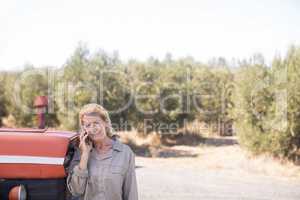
(103, 145)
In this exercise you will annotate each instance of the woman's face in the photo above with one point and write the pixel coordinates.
(95, 127)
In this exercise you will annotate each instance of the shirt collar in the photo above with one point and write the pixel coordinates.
(117, 145)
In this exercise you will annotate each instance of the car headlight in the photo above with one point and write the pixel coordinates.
(17, 193)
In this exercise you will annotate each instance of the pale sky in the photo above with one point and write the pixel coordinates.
(47, 32)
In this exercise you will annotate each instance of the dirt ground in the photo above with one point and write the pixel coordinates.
(217, 169)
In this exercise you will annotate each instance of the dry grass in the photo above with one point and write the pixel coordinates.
(141, 145)
(213, 153)
(9, 121)
(268, 165)
(234, 160)
(152, 139)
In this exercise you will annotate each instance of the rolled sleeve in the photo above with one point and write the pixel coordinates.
(83, 173)
(77, 178)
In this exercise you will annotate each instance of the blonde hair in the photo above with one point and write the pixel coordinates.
(96, 108)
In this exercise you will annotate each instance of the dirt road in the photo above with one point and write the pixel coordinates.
(215, 172)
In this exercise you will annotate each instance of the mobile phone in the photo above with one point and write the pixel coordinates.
(88, 140)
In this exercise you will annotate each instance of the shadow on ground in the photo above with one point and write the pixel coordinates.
(138, 166)
(193, 139)
(161, 151)
(168, 141)
(217, 142)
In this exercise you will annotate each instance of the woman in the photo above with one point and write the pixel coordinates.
(103, 168)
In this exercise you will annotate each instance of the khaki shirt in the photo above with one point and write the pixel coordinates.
(109, 177)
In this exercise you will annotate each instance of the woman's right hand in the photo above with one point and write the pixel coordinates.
(84, 147)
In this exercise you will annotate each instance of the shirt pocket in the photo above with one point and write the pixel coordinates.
(117, 169)
(114, 179)
(115, 173)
